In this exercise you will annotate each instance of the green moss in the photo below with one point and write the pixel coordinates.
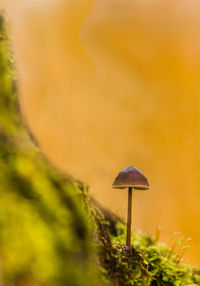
(44, 230)
(158, 263)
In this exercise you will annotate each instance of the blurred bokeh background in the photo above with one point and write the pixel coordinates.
(106, 84)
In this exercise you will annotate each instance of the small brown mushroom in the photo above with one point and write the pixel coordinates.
(130, 178)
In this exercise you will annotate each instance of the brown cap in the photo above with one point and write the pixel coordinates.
(131, 177)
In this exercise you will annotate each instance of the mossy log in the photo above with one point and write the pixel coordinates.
(51, 232)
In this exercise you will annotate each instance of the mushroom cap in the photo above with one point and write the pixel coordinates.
(131, 177)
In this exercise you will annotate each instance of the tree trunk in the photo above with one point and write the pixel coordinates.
(45, 227)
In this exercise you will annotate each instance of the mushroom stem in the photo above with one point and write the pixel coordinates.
(128, 234)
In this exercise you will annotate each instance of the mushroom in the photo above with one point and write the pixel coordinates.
(130, 178)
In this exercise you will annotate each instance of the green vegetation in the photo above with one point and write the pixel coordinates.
(157, 264)
(45, 230)
(50, 231)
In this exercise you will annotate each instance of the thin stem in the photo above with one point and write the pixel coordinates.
(129, 219)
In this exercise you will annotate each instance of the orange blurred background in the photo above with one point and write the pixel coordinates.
(107, 84)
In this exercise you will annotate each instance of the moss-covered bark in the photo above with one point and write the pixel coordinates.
(50, 232)
(45, 229)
